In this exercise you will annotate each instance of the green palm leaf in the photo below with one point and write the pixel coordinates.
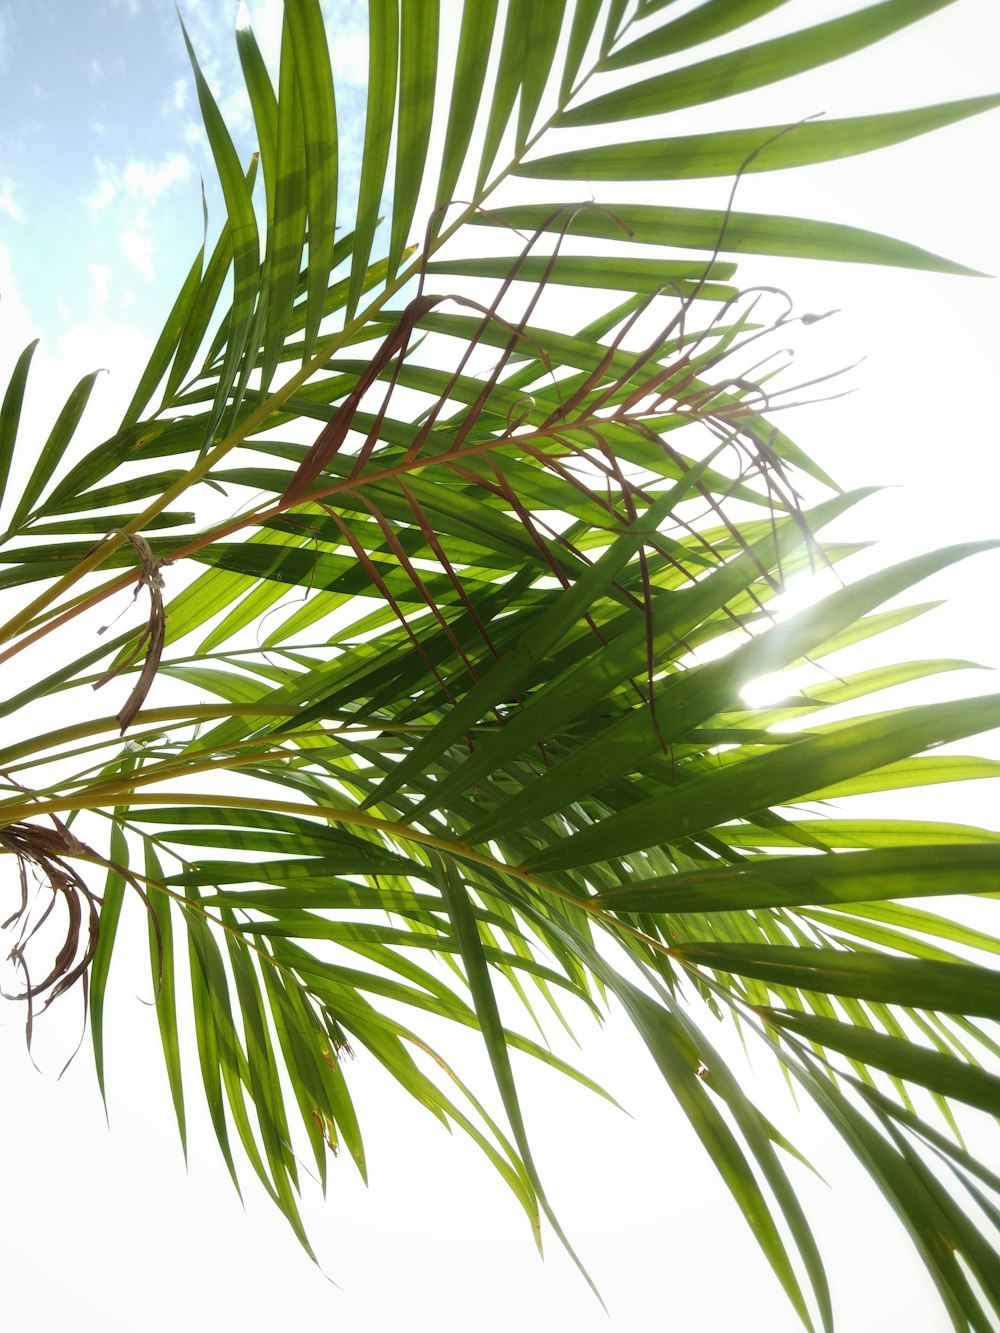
(486, 512)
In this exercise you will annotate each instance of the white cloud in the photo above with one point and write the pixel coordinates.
(8, 204)
(349, 58)
(137, 247)
(147, 182)
(124, 197)
(100, 277)
(106, 66)
(236, 111)
(16, 328)
(62, 359)
(180, 94)
(102, 196)
(266, 20)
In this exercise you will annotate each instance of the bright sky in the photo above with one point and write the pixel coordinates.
(100, 215)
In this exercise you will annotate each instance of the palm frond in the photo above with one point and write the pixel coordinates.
(506, 510)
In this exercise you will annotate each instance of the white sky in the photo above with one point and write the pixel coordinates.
(99, 217)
